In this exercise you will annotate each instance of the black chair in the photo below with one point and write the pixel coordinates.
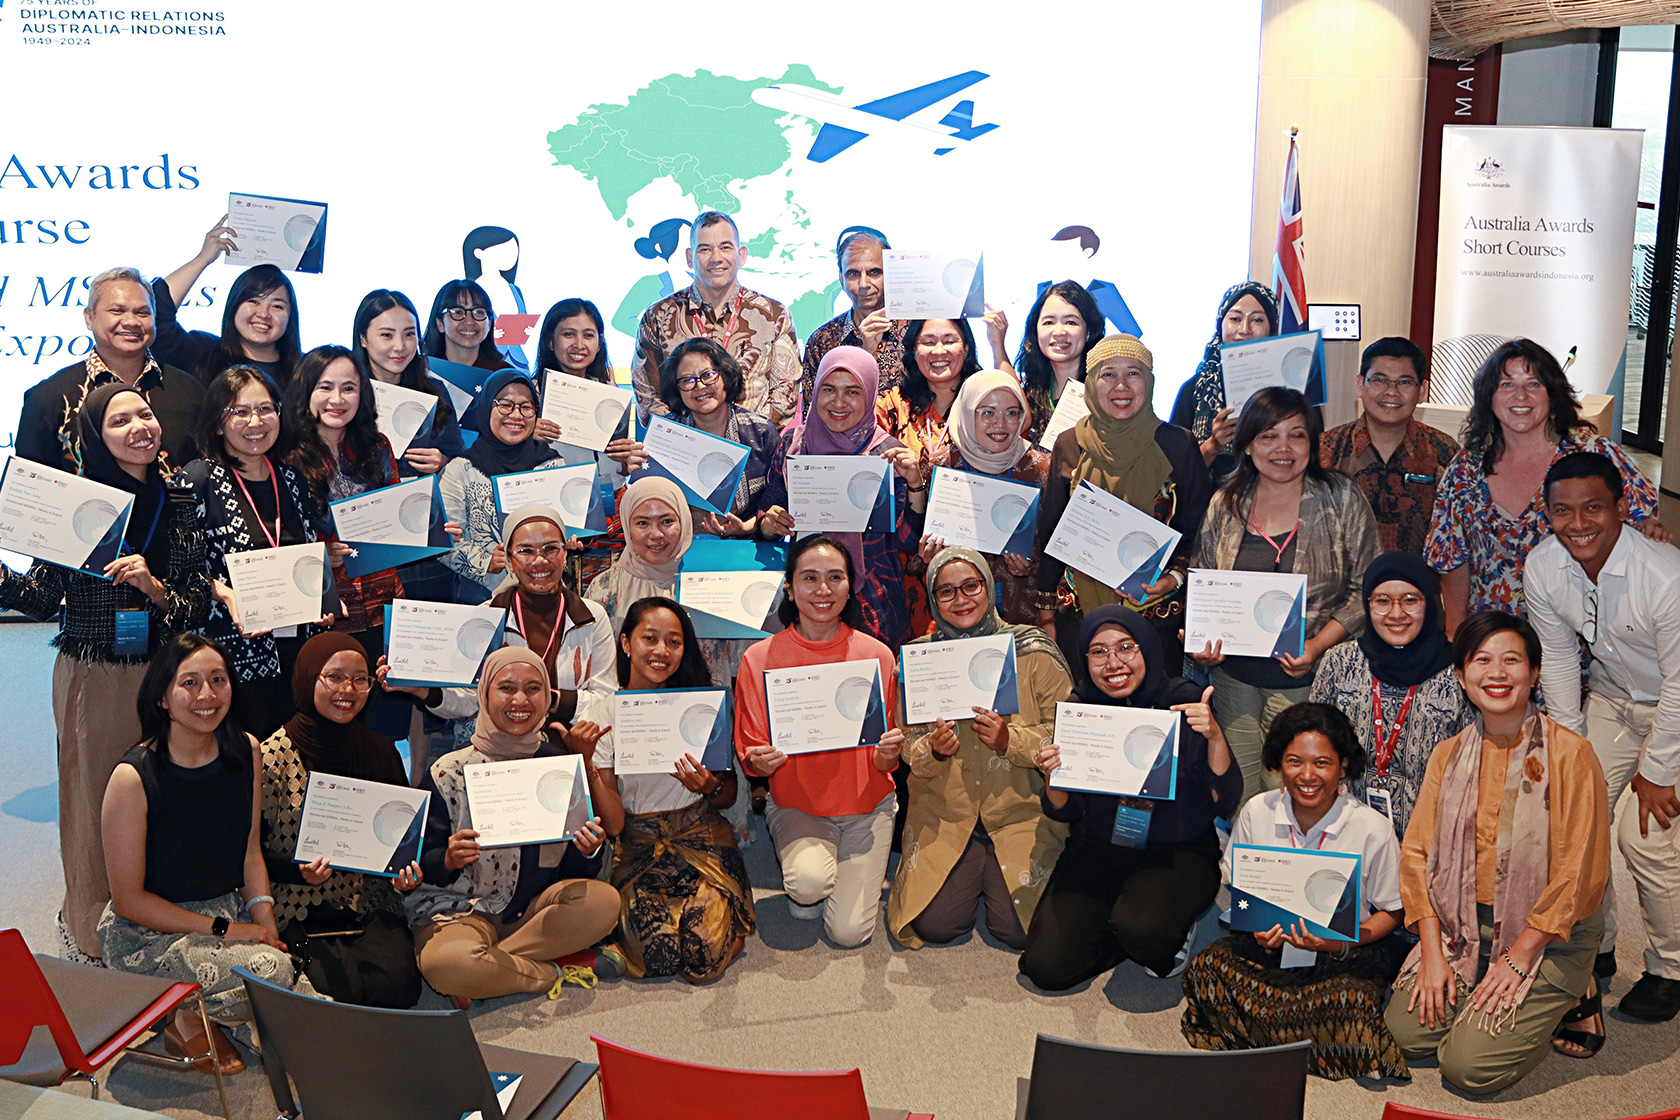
(367, 1063)
(1076, 1081)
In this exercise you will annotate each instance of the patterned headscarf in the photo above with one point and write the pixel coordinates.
(1209, 390)
(1028, 639)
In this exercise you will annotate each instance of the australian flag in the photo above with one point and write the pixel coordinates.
(1289, 256)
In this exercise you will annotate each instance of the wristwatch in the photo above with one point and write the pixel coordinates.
(219, 927)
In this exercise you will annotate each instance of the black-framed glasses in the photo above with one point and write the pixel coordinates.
(337, 682)
(462, 314)
(516, 408)
(1589, 627)
(244, 414)
(968, 589)
(708, 377)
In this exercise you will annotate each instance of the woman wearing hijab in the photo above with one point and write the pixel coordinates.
(506, 444)
(842, 421)
(1502, 875)
(987, 428)
(491, 922)
(975, 827)
(107, 630)
(1115, 894)
(329, 735)
(1247, 311)
(1396, 683)
(1122, 447)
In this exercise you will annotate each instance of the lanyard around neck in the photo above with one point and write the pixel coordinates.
(274, 478)
(554, 635)
(1385, 743)
(1269, 539)
(734, 316)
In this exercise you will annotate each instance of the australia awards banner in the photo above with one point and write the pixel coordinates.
(1536, 242)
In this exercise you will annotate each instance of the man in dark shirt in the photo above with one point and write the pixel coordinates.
(860, 253)
(1395, 460)
(119, 313)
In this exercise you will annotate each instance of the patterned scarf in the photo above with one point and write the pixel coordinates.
(1209, 390)
(1028, 639)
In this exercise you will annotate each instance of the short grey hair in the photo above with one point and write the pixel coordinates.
(121, 272)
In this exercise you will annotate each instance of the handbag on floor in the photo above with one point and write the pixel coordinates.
(365, 959)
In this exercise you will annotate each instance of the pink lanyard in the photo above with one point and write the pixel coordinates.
(554, 635)
(729, 330)
(1293, 834)
(274, 537)
(1278, 548)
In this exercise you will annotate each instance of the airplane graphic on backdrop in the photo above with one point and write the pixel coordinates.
(844, 125)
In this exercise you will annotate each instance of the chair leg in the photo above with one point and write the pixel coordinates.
(215, 1059)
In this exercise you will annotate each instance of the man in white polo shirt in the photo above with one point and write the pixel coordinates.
(1620, 592)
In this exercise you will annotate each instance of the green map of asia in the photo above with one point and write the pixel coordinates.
(707, 135)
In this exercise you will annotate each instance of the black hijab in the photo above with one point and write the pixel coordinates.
(1425, 655)
(490, 454)
(350, 750)
(100, 465)
(1157, 689)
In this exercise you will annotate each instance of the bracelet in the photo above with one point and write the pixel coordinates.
(915, 489)
(1507, 955)
(259, 900)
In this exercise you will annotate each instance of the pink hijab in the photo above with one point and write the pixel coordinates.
(814, 437)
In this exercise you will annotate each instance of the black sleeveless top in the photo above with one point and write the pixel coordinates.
(198, 822)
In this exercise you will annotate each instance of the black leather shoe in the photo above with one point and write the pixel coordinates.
(1655, 999)
(1604, 965)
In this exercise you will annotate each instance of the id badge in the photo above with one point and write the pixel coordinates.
(1297, 958)
(1131, 825)
(133, 633)
(1380, 799)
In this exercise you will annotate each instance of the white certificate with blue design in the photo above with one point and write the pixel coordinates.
(840, 494)
(923, 284)
(708, 468)
(402, 413)
(1112, 541)
(732, 604)
(1294, 361)
(1290, 886)
(572, 492)
(439, 645)
(1113, 749)
(62, 518)
(1070, 410)
(1256, 614)
(982, 512)
(361, 826)
(392, 525)
(283, 586)
(588, 411)
(654, 728)
(948, 680)
(527, 800)
(825, 707)
(287, 232)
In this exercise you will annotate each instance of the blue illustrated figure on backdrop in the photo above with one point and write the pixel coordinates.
(660, 244)
(1109, 301)
(490, 256)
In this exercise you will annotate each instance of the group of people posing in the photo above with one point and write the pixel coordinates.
(1441, 721)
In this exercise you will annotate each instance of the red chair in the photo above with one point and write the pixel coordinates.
(1392, 1111)
(92, 1015)
(638, 1086)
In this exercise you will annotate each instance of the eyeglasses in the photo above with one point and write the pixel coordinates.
(1378, 382)
(1013, 412)
(1589, 628)
(516, 408)
(244, 414)
(547, 551)
(1382, 604)
(361, 682)
(461, 314)
(709, 377)
(968, 589)
(1124, 650)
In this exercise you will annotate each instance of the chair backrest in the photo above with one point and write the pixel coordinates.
(638, 1086)
(30, 1003)
(1076, 1081)
(1392, 1111)
(368, 1063)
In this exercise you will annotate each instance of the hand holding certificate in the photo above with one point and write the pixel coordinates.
(653, 729)
(841, 494)
(569, 490)
(439, 645)
(588, 412)
(527, 801)
(931, 285)
(277, 587)
(1070, 410)
(392, 525)
(825, 707)
(1112, 541)
(278, 231)
(1295, 361)
(402, 413)
(706, 467)
(978, 511)
(1255, 614)
(948, 680)
(1128, 752)
(61, 518)
(1285, 886)
(360, 826)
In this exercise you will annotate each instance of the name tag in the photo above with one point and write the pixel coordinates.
(1131, 825)
(133, 633)
(1381, 800)
(1297, 958)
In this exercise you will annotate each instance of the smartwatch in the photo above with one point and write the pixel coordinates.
(219, 927)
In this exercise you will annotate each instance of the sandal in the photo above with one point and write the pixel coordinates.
(1591, 1006)
(226, 1055)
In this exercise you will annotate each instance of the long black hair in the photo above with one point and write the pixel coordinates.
(415, 375)
(1484, 436)
(691, 670)
(231, 740)
(598, 369)
(362, 454)
(788, 613)
(463, 293)
(255, 282)
(1270, 406)
(915, 387)
(1038, 376)
(219, 396)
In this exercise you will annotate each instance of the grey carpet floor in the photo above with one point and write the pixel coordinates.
(947, 1030)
